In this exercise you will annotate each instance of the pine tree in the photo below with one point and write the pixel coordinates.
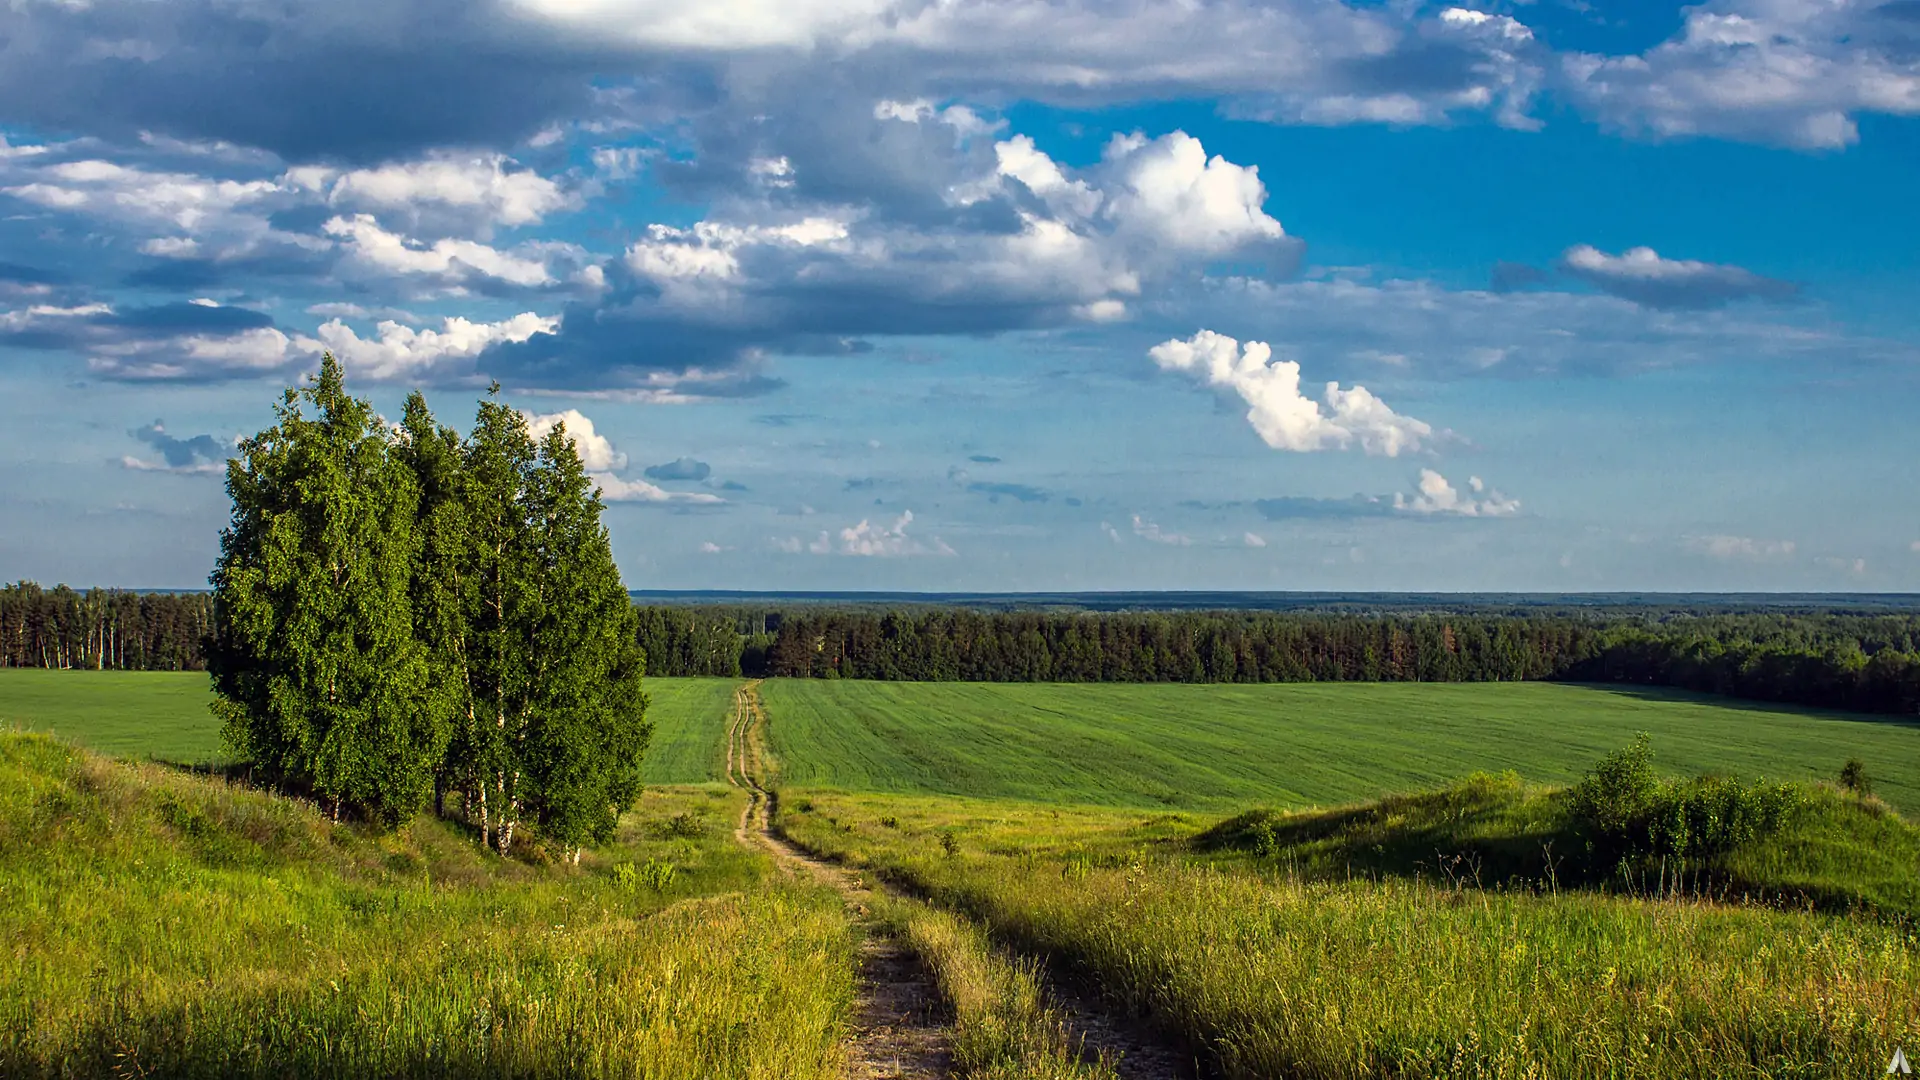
(319, 674)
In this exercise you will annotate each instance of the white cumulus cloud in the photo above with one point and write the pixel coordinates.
(602, 460)
(261, 349)
(448, 258)
(1642, 275)
(1171, 193)
(1436, 495)
(1792, 72)
(1285, 418)
(596, 450)
(878, 541)
(404, 352)
(477, 184)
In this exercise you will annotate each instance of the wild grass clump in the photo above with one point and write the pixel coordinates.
(1398, 978)
(652, 874)
(163, 924)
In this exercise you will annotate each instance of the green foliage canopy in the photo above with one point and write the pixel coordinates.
(400, 612)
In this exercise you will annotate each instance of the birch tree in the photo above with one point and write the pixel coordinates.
(319, 675)
(587, 729)
(444, 588)
(501, 609)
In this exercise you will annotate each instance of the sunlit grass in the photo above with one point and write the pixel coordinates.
(166, 924)
(1003, 1026)
(1227, 746)
(1276, 974)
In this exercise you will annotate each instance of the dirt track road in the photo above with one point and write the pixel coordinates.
(899, 1027)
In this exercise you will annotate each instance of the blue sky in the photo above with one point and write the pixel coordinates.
(997, 294)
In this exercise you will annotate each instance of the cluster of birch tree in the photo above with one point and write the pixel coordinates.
(404, 615)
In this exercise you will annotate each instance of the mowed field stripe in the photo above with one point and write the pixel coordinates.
(1208, 747)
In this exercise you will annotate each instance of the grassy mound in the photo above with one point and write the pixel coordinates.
(1831, 849)
(159, 922)
(1268, 974)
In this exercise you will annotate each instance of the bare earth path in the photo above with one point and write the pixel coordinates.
(898, 1029)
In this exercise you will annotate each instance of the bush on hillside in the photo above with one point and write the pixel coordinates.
(1619, 792)
(1623, 803)
(1713, 815)
(1853, 777)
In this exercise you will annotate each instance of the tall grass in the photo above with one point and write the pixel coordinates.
(163, 924)
(1003, 1026)
(1277, 976)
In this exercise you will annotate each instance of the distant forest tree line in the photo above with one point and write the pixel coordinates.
(1869, 663)
(103, 629)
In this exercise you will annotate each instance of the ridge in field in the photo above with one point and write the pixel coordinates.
(1834, 850)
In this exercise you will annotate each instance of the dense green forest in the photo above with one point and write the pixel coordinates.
(1869, 663)
(1866, 662)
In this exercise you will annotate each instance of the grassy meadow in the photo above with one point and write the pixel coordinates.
(1294, 744)
(136, 714)
(1453, 928)
(1292, 880)
(689, 719)
(1266, 970)
(161, 923)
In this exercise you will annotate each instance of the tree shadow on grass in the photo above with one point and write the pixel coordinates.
(1672, 696)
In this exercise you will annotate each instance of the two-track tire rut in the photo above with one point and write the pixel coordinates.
(898, 1028)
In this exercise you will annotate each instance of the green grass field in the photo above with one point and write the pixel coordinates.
(1044, 823)
(138, 714)
(163, 715)
(1264, 973)
(1192, 747)
(689, 729)
(1217, 747)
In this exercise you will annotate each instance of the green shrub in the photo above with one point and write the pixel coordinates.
(1616, 795)
(685, 825)
(652, 874)
(1713, 815)
(1623, 804)
(1265, 844)
(1853, 777)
